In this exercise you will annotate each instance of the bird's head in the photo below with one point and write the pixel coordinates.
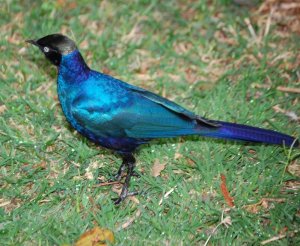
(54, 46)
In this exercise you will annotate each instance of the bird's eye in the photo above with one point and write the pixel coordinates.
(46, 49)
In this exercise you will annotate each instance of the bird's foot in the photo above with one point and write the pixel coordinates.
(122, 197)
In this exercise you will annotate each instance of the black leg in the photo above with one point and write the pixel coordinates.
(129, 161)
(118, 175)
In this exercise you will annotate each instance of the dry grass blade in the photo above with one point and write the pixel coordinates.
(280, 236)
(251, 29)
(130, 220)
(284, 13)
(288, 89)
(107, 183)
(166, 195)
(224, 221)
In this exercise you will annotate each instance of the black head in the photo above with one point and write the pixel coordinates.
(54, 46)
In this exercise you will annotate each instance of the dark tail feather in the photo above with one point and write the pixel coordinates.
(251, 134)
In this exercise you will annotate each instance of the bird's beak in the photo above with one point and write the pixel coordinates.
(31, 41)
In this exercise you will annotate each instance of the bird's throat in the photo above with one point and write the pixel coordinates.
(73, 68)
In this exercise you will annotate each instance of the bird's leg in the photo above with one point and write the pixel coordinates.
(129, 161)
(118, 175)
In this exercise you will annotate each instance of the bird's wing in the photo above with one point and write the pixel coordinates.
(159, 100)
(146, 115)
(172, 106)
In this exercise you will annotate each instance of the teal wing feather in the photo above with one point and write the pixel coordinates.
(172, 106)
(135, 113)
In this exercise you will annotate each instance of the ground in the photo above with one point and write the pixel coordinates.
(220, 59)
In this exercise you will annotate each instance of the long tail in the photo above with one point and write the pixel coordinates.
(252, 134)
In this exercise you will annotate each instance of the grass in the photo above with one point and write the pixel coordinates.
(201, 55)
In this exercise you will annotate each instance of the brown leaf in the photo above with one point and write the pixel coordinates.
(189, 14)
(2, 108)
(290, 185)
(294, 168)
(106, 70)
(265, 203)
(177, 156)
(292, 115)
(136, 34)
(253, 208)
(191, 162)
(41, 165)
(181, 47)
(157, 168)
(96, 237)
(66, 5)
(84, 45)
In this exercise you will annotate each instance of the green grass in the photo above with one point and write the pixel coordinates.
(200, 55)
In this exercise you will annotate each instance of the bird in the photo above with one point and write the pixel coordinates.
(121, 117)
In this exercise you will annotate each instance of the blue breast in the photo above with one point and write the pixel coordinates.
(98, 97)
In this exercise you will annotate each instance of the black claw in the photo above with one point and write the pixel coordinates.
(135, 174)
(114, 178)
(117, 201)
(118, 176)
(121, 198)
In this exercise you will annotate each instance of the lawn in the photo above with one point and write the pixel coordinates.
(222, 60)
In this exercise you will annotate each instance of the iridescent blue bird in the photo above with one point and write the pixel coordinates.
(121, 117)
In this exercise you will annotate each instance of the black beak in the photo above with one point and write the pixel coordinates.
(31, 41)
